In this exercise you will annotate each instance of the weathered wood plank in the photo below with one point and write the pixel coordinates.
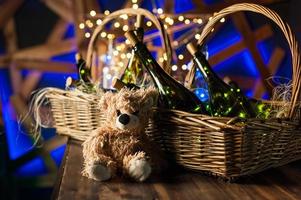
(29, 83)
(273, 65)
(280, 183)
(8, 9)
(57, 32)
(46, 66)
(61, 8)
(11, 47)
(242, 25)
(46, 51)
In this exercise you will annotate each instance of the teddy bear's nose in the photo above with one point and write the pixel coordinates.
(124, 119)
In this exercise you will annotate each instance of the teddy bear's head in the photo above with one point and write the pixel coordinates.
(128, 109)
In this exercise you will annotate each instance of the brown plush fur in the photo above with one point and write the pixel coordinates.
(127, 150)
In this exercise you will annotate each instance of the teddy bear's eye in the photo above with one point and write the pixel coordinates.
(136, 112)
(118, 112)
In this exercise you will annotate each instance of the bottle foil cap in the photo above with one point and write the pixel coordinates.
(130, 35)
(191, 48)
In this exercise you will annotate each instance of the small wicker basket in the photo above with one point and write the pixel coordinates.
(218, 145)
(76, 113)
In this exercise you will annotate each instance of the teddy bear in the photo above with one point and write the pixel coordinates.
(120, 145)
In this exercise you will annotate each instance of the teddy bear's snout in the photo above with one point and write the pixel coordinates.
(127, 121)
(124, 119)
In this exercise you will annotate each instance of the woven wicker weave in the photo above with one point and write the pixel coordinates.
(222, 146)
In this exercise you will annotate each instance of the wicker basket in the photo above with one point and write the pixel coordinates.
(76, 114)
(222, 146)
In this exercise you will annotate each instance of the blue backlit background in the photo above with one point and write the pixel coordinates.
(33, 26)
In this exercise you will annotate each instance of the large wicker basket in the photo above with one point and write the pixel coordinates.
(226, 148)
(210, 144)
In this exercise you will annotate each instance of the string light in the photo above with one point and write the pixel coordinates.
(106, 12)
(164, 56)
(184, 67)
(108, 76)
(161, 59)
(180, 56)
(87, 34)
(149, 23)
(98, 22)
(105, 70)
(117, 24)
(92, 13)
(90, 24)
(187, 21)
(123, 56)
(200, 21)
(111, 36)
(118, 48)
(135, 6)
(121, 64)
(134, 1)
(128, 55)
(124, 16)
(115, 53)
(159, 10)
(165, 26)
(103, 34)
(174, 68)
(127, 41)
(125, 28)
(197, 36)
(222, 20)
(181, 18)
(81, 25)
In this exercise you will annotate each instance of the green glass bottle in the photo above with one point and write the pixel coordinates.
(261, 109)
(83, 71)
(172, 94)
(134, 72)
(224, 100)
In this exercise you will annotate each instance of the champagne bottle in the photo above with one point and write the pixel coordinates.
(224, 100)
(133, 73)
(172, 94)
(261, 109)
(118, 85)
(83, 71)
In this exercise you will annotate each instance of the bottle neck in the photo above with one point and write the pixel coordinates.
(139, 31)
(204, 67)
(151, 65)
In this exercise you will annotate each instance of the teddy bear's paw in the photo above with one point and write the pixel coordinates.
(139, 169)
(99, 172)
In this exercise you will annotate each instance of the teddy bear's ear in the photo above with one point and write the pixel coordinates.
(149, 97)
(105, 100)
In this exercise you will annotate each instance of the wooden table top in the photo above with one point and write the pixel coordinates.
(280, 183)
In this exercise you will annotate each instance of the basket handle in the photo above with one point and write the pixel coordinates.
(293, 45)
(131, 11)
